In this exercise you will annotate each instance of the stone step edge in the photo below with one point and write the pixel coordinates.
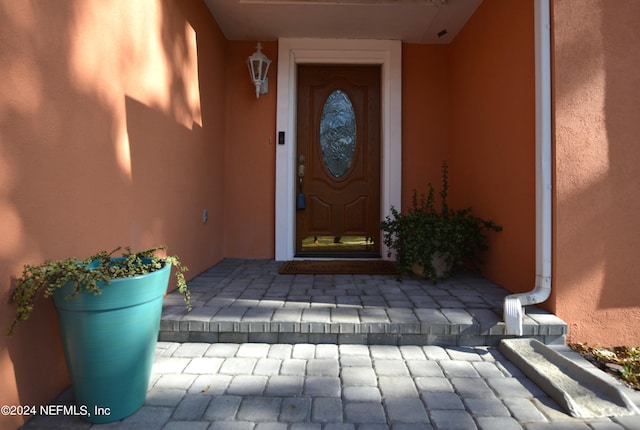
(417, 328)
(467, 340)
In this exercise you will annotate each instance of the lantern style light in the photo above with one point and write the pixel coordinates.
(258, 64)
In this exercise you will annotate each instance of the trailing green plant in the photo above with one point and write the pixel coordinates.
(88, 276)
(455, 236)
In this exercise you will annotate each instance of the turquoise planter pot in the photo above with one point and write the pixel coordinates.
(109, 343)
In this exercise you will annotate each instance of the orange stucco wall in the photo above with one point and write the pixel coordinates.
(425, 117)
(492, 120)
(250, 156)
(111, 133)
(596, 89)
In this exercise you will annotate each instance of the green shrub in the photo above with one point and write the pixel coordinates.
(455, 235)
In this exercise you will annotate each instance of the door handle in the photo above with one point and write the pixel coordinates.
(301, 202)
(301, 167)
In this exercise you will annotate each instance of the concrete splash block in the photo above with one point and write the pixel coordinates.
(581, 393)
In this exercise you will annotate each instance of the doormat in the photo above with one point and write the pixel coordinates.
(339, 267)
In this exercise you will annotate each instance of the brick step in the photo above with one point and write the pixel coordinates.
(241, 301)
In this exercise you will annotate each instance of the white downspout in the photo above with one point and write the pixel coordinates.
(513, 304)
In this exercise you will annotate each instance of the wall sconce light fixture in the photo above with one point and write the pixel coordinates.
(258, 64)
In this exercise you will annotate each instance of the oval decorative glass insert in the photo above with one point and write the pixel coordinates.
(338, 133)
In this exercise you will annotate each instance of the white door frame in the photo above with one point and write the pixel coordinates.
(291, 52)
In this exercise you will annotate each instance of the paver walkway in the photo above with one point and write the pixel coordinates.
(344, 352)
(258, 386)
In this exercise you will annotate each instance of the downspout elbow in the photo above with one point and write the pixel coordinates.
(514, 304)
(540, 292)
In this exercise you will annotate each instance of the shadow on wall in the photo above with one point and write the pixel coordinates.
(54, 136)
(599, 219)
(622, 92)
(89, 90)
(163, 180)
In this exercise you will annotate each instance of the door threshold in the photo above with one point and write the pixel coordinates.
(338, 255)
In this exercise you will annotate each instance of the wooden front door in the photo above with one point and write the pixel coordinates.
(338, 158)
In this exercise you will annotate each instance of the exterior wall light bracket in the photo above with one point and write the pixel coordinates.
(258, 65)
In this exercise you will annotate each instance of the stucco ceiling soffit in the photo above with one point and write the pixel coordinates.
(414, 21)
